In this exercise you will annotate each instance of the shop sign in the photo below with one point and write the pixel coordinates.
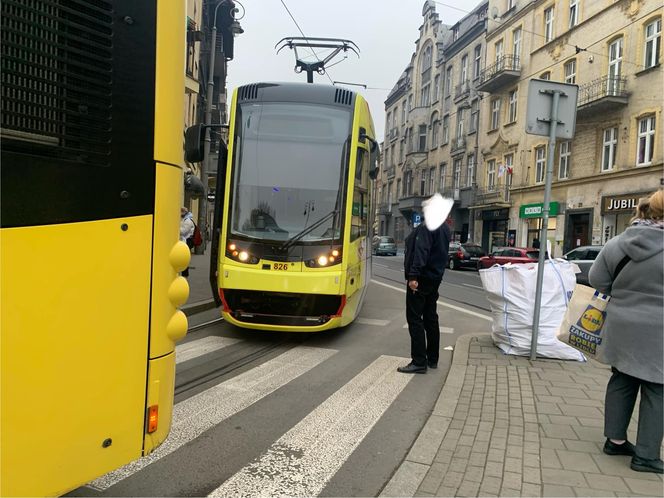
(535, 210)
(496, 214)
(619, 203)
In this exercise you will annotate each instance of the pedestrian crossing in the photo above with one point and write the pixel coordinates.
(303, 460)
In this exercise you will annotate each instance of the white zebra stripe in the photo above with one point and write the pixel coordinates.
(199, 347)
(302, 461)
(193, 416)
(372, 321)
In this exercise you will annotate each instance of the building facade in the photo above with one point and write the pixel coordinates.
(612, 51)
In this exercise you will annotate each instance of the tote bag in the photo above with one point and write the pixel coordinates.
(583, 322)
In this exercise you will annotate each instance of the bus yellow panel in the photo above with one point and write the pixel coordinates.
(73, 366)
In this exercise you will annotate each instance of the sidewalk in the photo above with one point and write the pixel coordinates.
(506, 426)
(200, 293)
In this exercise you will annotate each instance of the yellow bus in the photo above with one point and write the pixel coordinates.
(292, 225)
(91, 191)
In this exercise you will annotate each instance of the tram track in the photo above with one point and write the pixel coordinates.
(447, 298)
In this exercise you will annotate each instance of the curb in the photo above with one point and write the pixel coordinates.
(197, 307)
(417, 463)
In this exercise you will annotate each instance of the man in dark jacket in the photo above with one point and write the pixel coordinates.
(424, 265)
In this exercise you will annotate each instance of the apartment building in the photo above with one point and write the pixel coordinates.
(412, 155)
(462, 61)
(612, 51)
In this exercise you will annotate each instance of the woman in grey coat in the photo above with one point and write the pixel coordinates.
(630, 269)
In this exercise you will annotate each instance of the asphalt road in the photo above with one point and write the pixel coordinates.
(309, 414)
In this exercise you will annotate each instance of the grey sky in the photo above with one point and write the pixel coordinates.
(384, 30)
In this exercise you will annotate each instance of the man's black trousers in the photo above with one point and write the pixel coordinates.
(422, 320)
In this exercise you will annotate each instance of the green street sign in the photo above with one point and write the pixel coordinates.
(535, 210)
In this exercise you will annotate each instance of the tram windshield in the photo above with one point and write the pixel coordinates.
(289, 171)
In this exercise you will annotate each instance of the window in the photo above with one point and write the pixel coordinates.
(546, 75)
(389, 193)
(402, 149)
(455, 33)
(609, 148)
(422, 142)
(446, 129)
(499, 50)
(464, 70)
(646, 140)
(410, 102)
(615, 67)
(548, 24)
(448, 81)
(393, 155)
(474, 115)
(540, 164)
(491, 175)
(424, 96)
(653, 35)
(432, 180)
(443, 174)
(459, 131)
(471, 170)
(478, 62)
(426, 59)
(509, 168)
(457, 174)
(403, 113)
(495, 114)
(564, 160)
(516, 44)
(387, 120)
(399, 192)
(435, 125)
(410, 139)
(570, 71)
(423, 181)
(513, 103)
(436, 87)
(510, 4)
(573, 13)
(408, 183)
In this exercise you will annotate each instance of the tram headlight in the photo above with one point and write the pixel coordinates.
(236, 253)
(324, 260)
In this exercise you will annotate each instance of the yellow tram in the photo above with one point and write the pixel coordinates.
(91, 191)
(293, 207)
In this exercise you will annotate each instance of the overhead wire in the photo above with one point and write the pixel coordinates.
(304, 36)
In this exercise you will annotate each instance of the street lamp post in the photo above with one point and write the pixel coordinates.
(205, 164)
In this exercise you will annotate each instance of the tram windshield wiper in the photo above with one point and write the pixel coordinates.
(307, 230)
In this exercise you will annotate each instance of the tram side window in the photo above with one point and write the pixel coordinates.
(360, 214)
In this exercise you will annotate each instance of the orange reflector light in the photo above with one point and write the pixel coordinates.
(235, 253)
(331, 259)
(153, 418)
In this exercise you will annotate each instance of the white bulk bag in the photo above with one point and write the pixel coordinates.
(511, 293)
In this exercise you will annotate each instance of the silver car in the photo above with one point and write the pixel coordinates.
(583, 257)
(384, 245)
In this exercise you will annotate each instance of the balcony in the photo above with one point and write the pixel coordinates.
(384, 208)
(393, 134)
(411, 203)
(458, 146)
(601, 95)
(504, 71)
(452, 193)
(461, 91)
(390, 172)
(496, 195)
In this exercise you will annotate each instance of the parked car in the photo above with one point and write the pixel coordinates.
(384, 245)
(503, 255)
(464, 256)
(583, 256)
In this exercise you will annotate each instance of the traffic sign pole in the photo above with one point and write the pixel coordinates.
(555, 94)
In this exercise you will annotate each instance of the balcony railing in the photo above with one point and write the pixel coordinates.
(393, 133)
(601, 93)
(462, 90)
(452, 193)
(458, 145)
(496, 194)
(504, 71)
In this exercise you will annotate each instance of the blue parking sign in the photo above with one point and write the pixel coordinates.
(417, 219)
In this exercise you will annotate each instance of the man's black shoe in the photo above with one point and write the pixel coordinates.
(647, 465)
(411, 368)
(432, 364)
(611, 448)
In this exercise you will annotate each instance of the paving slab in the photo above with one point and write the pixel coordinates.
(508, 426)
